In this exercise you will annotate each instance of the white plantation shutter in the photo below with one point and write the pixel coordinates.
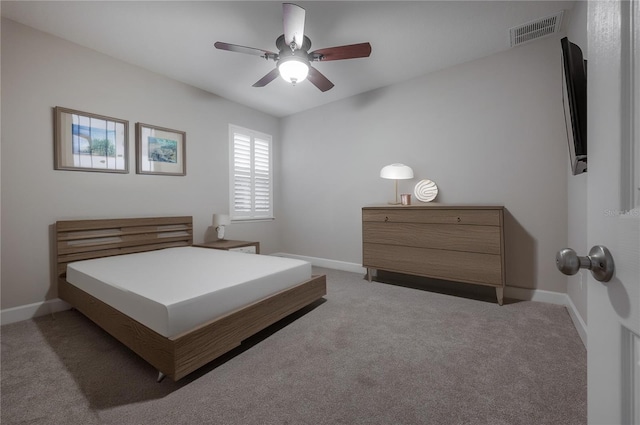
(262, 176)
(251, 175)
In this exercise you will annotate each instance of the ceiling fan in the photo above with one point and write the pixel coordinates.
(293, 58)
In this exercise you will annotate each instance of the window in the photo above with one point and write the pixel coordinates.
(251, 182)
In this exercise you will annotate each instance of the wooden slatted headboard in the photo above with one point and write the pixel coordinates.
(86, 239)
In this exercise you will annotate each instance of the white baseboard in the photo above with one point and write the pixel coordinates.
(30, 311)
(580, 325)
(326, 263)
(539, 295)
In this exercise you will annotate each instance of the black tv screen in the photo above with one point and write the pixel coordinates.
(574, 99)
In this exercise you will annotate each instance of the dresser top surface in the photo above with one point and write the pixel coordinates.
(438, 206)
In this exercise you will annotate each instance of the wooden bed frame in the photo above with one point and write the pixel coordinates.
(180, 355)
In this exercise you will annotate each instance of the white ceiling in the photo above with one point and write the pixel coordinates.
(175, 39)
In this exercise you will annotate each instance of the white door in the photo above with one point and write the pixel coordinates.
(613, 216)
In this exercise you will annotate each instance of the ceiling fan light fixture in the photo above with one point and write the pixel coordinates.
(293, 69)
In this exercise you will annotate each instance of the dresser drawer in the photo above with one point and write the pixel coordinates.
(483, 217)
(452, 237)
(470, 267)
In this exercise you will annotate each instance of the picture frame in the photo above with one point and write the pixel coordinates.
(160, 151)
(85, 141)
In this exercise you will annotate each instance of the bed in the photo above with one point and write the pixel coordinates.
(179, 327)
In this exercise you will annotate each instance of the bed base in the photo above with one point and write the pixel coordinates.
(178, 356)
(182, 354)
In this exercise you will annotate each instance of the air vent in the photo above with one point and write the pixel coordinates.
(536, 29)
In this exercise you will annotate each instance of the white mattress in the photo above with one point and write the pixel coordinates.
(173, 290)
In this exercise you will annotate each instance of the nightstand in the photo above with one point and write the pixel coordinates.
(229, 245)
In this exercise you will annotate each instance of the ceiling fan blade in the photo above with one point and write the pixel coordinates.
(267, 78)
(293, 21)
(246, 50)
(361, 50)
(319, 80)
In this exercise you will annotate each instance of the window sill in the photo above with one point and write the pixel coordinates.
(251, 219)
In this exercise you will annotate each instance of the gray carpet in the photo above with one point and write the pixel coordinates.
(372, 353)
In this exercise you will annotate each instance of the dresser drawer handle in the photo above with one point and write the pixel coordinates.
(386, 219)
(459, 219)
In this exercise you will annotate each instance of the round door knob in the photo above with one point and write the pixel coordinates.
(569, 263)
(599, 261)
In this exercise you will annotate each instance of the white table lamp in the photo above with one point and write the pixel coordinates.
(396, 172)
(219, 222)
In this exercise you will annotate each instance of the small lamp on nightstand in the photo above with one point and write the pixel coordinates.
(396, 172)
(219, 222)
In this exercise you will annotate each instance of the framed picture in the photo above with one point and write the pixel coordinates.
(160, 150)
(90, 142)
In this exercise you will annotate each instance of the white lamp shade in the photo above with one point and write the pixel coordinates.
(293, 70)
(396, 172)
(221, 220)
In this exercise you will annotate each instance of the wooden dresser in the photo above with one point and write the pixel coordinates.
(449, 242)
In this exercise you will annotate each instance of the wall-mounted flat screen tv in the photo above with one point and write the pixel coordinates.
(574, 99)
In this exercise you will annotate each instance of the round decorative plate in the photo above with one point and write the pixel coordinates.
(426, 190)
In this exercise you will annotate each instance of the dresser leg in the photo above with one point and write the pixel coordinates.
(499, 295)
(369, 274)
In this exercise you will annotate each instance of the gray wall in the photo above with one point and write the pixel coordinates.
(577, 185)
(487, 131)
(40, 72)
